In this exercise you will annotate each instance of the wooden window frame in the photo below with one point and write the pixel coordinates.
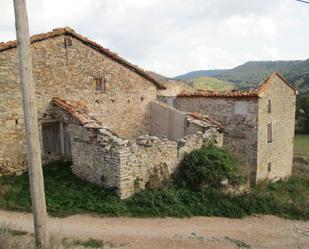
(99, 85)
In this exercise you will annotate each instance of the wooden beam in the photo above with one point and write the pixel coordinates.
(31, 125)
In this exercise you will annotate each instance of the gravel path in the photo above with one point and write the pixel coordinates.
(172, 233)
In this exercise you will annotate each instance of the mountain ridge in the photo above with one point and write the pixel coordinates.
(252, 73)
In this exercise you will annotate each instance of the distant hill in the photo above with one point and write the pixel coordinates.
(208, 83)
(252, 73)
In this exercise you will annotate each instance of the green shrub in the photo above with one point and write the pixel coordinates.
(66, 195)
(206, 167)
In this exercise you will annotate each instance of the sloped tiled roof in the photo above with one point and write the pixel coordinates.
(204, 118)
(219, 94)
(68, 31)
(78, 110)
(237, 93)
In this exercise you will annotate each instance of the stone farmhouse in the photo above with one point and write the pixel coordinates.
(97, 110)
(109, 118)
(258, 124)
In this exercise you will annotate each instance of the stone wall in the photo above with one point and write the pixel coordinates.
(239, 118)
(279, 152)
(128, 166)
(69, 73)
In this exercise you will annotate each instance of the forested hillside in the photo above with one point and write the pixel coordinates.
(253, 72)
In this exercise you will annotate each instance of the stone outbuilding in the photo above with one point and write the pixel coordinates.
(97, 110)
(258, 124)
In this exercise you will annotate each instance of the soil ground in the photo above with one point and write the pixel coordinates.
(173, 233)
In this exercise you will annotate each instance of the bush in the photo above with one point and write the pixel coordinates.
(206, 167)
(66, 195)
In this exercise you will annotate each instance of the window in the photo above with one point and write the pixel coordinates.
(241, 107)
(99, 85)
(269, 167)
(269, 133)
(269, 106)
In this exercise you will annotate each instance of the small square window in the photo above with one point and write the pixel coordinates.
(241, 107)
(269, 167)
(269, 106)
(269, 133)
(99, 85)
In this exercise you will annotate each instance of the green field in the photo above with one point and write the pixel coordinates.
(302, 146)
(207, 83)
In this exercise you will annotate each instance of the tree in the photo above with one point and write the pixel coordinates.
(304, 114)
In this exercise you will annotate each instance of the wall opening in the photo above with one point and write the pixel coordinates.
(269, 106)
(269, 167)
(56, 140)
(99, 85)
(269, 133)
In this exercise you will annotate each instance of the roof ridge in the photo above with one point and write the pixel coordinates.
(266, 81)
(69, 31)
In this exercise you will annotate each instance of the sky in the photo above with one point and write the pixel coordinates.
(172, 37)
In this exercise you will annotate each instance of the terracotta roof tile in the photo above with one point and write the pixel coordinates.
(220, 94)
(68, 31)
(205, 118)
(77, 109)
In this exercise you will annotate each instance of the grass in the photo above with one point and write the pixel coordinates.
(66, 195)
(239, 243)
(90, 243)
(302, 146)
(11, 238)
(208, 83)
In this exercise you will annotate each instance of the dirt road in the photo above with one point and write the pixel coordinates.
(171, 233)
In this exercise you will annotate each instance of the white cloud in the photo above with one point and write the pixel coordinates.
(252, 25)
(271, 52)
(175, 36)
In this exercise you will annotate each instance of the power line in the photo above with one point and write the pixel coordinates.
(302, 1)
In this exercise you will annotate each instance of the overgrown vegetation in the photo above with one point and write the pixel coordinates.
(302, 123)
(90, 243)
(301, 147)
(66, 195)
(206, 168)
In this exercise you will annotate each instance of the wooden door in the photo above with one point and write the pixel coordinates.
(56, 140)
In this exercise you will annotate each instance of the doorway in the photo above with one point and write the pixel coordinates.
(56, 140)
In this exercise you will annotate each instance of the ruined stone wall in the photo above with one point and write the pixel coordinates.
(129, 165)
(69, 73)
(239, 118)
(279, 152)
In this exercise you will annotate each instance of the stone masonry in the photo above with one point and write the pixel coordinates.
(258, 124)
(124, 165)
(68, 65)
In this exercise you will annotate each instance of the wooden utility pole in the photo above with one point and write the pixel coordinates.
(31, 124)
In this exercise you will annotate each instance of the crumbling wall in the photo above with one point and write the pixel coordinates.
(129, 165)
